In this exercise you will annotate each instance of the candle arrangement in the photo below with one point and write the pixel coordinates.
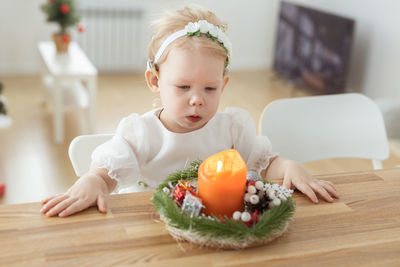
(217, 203)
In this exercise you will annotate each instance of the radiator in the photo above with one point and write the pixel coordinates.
(113, 36)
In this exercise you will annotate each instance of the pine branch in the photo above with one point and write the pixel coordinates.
(54, 14)
(185, 174)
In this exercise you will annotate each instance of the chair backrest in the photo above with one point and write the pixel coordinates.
(81, 148)
(329, 126)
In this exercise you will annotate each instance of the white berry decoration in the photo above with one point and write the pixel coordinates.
(245, 216)
(271, 193)
(166, 190)
(247, 197)
(237, 215)
(251, 189)
(254, 199)
(276, 201)
(259, 185)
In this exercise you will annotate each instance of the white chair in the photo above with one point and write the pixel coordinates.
(81, 148)
(330, 126)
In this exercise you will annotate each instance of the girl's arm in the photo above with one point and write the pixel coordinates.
(295, 176)
(90, 189)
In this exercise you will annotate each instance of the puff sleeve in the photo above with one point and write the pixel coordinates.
(119, 155)
(255, 150)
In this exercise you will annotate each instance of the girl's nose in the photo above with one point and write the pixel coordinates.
(196, 100)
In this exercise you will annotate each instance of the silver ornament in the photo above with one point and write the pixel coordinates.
(192, 205)
(252, 176)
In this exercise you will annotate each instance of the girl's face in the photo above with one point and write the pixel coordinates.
(190, 85)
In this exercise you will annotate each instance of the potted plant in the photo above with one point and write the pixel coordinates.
(64, 13)
(5, 121)
(2, 102)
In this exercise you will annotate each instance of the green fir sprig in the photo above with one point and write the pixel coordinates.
(269, 222)
(189, 174)
(62, 12)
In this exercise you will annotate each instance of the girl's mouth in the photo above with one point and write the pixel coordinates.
(193, 118)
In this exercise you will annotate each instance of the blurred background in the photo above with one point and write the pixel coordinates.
(290, 49)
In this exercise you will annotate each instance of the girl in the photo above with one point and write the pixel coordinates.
(188, 59)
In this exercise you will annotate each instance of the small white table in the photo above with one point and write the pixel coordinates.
(5, 121)
(71, 81)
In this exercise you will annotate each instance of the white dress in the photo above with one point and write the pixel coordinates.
(143, 152)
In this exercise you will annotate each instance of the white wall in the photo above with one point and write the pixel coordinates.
(21, 27)
(375, 59)
(251, 22)
(251, 26)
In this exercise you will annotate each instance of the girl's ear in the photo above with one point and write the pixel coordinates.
(152, 81)
(225, 82)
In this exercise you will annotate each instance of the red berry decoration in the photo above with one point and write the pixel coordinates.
(2, 189)
(65, 38)
(251, 183)
(81, 28)
(64, 9)
(254, 219)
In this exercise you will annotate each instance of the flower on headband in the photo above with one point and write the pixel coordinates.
(221, 36)
(211, 31)
(203, 26)
(192, 27)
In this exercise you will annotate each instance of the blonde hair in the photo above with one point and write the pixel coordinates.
(175, 20)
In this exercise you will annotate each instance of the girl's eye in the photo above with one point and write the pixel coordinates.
(183, 86)
(211, 88)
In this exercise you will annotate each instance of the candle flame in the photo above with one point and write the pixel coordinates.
(219, 166)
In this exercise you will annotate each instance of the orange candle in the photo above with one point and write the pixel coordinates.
(222, 183)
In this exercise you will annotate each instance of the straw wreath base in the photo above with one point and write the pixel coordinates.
(221, 243)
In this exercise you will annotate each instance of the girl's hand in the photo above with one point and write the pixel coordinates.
(296, 177)
(89, 190)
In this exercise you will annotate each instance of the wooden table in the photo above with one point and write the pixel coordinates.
(362, 228)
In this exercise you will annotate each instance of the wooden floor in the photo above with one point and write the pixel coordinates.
(33, 167)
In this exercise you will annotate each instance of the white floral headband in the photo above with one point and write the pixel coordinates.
(196, 28)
